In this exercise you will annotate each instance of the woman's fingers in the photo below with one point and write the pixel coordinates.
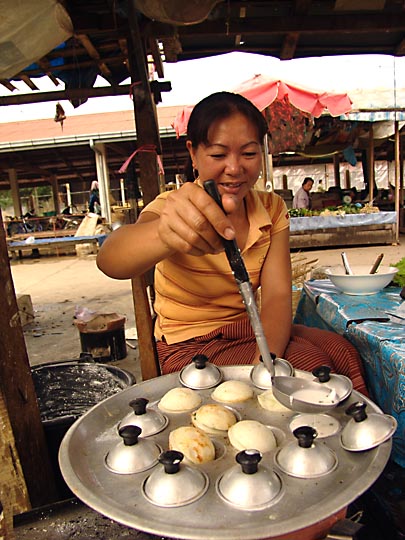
(192, 222)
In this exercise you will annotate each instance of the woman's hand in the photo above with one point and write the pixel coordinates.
(193, 223)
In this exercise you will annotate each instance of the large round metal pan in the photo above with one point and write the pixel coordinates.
(303, 503)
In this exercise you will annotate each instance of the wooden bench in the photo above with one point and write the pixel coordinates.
(17, 248)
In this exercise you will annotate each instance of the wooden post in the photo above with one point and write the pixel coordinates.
(370, 156)
(17, 388)
(13, 490)
(336, 169)
(397, 179)
(55, 195)
(147, 133)
(285, 181)
(15, 194)
(347, 179)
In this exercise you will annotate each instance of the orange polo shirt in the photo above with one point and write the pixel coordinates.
(195, 295)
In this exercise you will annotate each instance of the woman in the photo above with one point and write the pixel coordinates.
(198, 305)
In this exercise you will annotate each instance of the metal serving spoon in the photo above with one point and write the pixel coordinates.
(241, 276)
(348, 270)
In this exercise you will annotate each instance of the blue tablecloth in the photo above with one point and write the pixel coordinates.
(364, 321)
(315, 223)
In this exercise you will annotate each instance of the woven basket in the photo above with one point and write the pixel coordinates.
(300, 268)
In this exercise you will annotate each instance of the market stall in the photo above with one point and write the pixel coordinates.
(343, 229)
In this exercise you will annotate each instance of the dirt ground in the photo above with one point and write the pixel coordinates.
(60, 285)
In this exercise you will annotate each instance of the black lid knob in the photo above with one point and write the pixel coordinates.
(139, 405)
(130, 434)
(171, 460)
(305, 436)
(322, 373)
(199, 361)
(249, 460)
(357, 411)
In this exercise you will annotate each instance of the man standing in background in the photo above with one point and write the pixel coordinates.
(302, 198)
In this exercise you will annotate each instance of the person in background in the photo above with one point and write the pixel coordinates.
(198, 305)
(94, 202)
(302, 198)
(320, 188)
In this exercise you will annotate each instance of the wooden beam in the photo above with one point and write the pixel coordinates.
(19, 394)
(365, 23)
(46, 67)
(157, 59)
(103, 91)
(93, 53)
(289, 46)
(8, 85)
(28, 82)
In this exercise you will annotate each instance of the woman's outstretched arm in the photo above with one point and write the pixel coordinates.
(189, 223)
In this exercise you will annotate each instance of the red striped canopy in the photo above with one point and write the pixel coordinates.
(263, 91)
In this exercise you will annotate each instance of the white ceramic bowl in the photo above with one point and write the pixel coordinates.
(361, 282)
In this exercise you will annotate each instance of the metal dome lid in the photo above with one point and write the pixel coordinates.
(149, 420)
(174, 484)
(247, 485)
(364, 432)
(132, 454)
(261, 376)
(306, 459)
(200, 374)
(340, 383)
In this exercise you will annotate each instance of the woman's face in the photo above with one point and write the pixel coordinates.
(232, 157)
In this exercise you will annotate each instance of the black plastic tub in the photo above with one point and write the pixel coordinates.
(65, 391)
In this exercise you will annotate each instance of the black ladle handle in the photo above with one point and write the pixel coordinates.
(232, 250)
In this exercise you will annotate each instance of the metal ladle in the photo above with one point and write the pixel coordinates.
(241, 276)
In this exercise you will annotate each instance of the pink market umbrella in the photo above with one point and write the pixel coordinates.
(289, 110)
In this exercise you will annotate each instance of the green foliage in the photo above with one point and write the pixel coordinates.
(399, 278)
(5, 199)
(343, 209)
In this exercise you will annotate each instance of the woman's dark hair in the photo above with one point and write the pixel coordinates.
(217, 107)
